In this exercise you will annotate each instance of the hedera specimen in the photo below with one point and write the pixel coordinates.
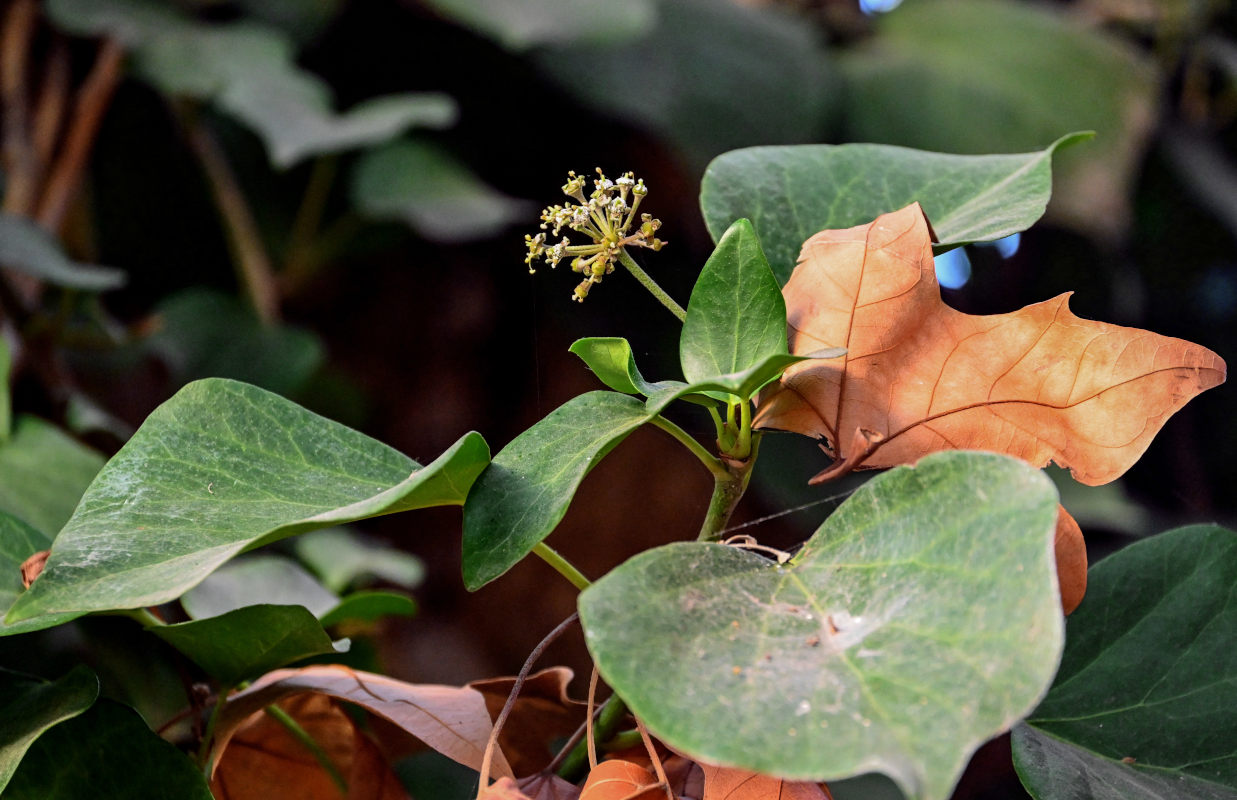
(920, 620)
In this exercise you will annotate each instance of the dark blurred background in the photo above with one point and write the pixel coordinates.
(365, 259)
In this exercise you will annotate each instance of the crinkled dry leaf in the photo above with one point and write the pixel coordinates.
(263, 760)
(32, 567)
(1071, 552)
(503, 789)
(542, 715)
(451, 719)
(1040, 383)
(548, 787)
(617, 779)
(724, 783)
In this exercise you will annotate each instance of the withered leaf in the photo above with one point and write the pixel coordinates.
(32, 567)
(724, 783)
(542, 715)
(618, 779)
(263, 760)
(502, 789)
(451, 719)
(1040, 383)
(1071, 553)
(548, 787)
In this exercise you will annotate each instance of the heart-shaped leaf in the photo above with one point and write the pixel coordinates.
(920, 620)
(29, 707)
(525, 491)
(736, 317)
(791, 192)
(1039, 383)
(220, 468)
(248, 641)
(1145, 703)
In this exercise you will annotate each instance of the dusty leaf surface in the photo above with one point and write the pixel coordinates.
(451, 719)
(1039, 383)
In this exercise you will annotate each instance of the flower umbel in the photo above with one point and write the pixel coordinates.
(606, 217)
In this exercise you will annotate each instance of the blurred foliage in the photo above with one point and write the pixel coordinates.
(320, 196)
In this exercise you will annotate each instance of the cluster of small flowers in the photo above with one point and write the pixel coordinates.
(606, 217)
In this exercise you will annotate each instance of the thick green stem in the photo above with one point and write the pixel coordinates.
(301, 735)
(648, 283)
(698, 450)
(576, 763)
(727, 492)
(142, 616)
(209, 734)
(561, 565)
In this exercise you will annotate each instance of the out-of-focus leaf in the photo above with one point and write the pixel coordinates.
(202, 333)
(1005, 78)
(264, 760)
(106, 753)
(220, 468)
(522, 24)
(248, 641)
(341, 557)
(18, 542)
(27, 248)
(710, 77)
(920, 620)
(43, 473)
(30, 707)
(6, 401)
(792, 192)
(428, 189)
(249, 70)
(452, 720)
(369, 606)
(1145, 703)
(300, 19)
(431, 774)
(257, 579)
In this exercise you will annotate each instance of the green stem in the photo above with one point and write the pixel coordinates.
(744, 449)
(143, 616)
(710, 462)
(622, 740)
(302, 736)
(576, 763)
(648, 283)
(209, 734)
(727, 492)
(562, 565)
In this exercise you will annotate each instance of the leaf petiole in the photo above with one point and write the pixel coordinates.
(710, 462)
(561, 565)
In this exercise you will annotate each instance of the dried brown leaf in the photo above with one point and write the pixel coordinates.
(263, 761)
(1040, 383)
(502, 789)
(724, 783)
(618, 779)
(451, 719)
(1071, 553)
(548, 786)
(542, 715)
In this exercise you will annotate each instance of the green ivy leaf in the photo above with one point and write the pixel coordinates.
(793, 192)
(1004, 78)
(27, 248)
(28, 708)
(431, 191)
(368, 606)
(19, 541)
(736, 317)
(220, 468)
(1149, 674)
(255, 579)
(247, 642)
(341, 557)
(743, 385)
(106, 753)
(611, 360)
(920, 620)
(519, 25)
(43, 473)
(525, 492)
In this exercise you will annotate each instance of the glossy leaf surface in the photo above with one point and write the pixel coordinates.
(791, 192)
(1149, 674)
(219, 468)
(521, 497)
(919, 621)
